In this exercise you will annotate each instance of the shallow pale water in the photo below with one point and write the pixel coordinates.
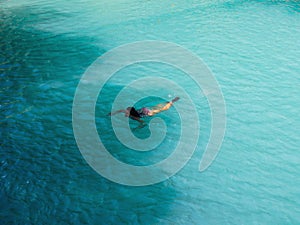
(252, 48)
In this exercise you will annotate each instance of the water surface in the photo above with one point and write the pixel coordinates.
(252, 48)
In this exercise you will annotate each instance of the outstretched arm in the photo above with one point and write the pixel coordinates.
(116, 112)
(137, 119)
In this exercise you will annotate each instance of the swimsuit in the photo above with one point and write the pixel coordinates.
(143, 112)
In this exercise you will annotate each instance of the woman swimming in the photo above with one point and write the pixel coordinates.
(135, 114)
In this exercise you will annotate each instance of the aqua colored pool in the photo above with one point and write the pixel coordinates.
(252, 48)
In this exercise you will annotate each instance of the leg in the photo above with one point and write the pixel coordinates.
(162, 107)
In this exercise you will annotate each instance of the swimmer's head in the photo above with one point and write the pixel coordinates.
(127, 113)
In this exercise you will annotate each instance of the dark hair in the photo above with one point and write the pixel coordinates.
(133, 112)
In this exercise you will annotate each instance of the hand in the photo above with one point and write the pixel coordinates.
(142, 125)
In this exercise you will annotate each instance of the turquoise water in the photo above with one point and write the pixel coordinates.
(252, 48)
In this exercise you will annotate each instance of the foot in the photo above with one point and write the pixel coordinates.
(175, 99)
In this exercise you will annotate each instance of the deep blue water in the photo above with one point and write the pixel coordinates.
(252, 48)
